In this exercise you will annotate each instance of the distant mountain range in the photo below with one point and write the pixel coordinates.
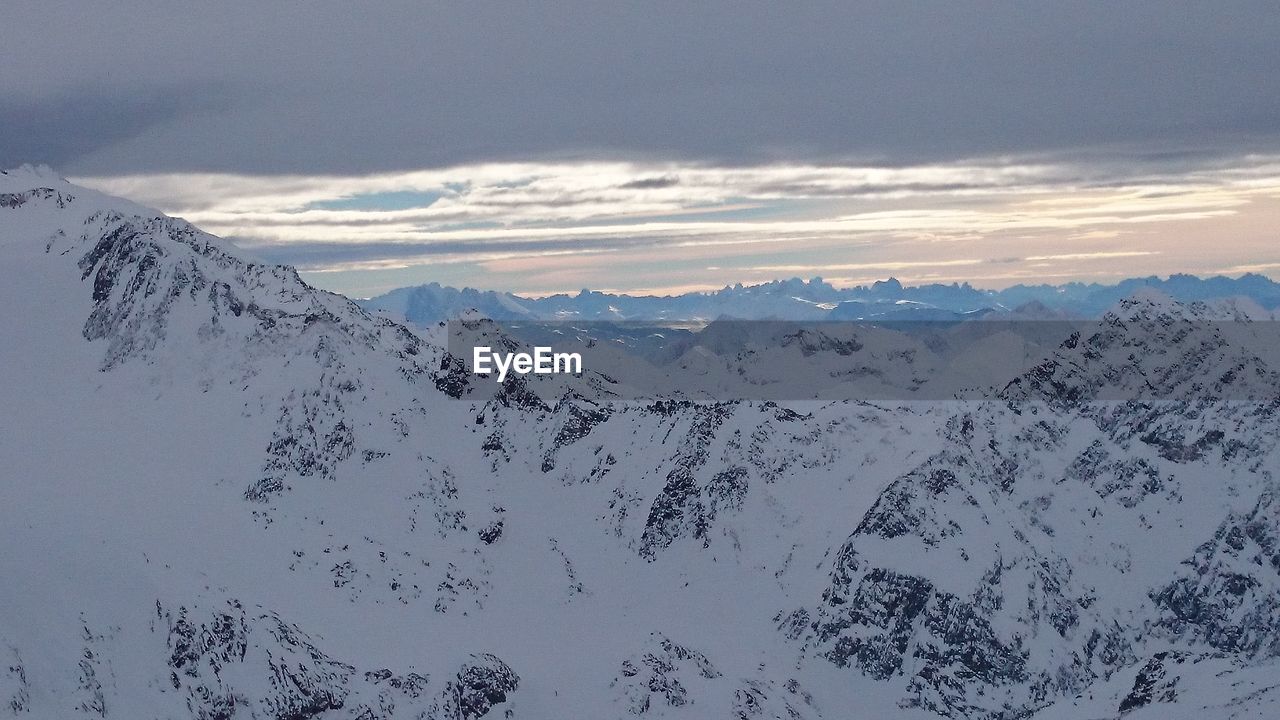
(815, 299)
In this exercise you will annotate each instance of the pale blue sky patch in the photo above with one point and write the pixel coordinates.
(392, 200)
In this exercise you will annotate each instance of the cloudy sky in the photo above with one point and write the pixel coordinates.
(541, 147)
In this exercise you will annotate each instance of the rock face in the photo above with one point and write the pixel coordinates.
(667, 680)
(1228, 596)
(659, 677)
(303, 682)
(1017, 626)
(234, 496)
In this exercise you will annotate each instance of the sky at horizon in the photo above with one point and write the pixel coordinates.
(669, 147)
(666, 229)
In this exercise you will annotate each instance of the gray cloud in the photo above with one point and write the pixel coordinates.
(652, 183)
(60, 130)
(353, 88)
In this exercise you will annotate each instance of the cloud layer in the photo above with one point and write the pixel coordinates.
(543, 227)
(546, 146)
(351, 89)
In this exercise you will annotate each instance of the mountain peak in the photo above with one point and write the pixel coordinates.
(30, 186)
(25, 177)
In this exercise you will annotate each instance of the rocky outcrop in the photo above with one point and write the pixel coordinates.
(1228, 598)
(232, 663)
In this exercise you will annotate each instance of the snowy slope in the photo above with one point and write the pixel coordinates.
(230, 495)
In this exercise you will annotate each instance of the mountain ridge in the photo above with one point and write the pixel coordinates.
(800, 300)
(294, 511)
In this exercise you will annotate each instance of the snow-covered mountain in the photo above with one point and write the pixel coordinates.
(814, 299)
(227, 494)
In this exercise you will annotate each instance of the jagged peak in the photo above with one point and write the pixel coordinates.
(1151, 303)
(1146, 299)
(48, 203)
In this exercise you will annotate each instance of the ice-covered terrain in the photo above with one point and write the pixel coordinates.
(226, 494)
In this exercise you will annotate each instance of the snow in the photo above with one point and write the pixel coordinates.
(682, 532)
